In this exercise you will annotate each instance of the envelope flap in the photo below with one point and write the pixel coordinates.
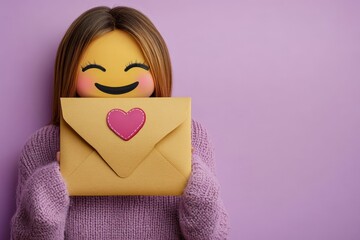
(88, 118)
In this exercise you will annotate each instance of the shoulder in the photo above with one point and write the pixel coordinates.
(40, 147)
(43, 135)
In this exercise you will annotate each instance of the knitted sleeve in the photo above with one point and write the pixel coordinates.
(42, 200)
(201, 212)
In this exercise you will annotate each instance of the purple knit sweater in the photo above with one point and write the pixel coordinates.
(45, 210)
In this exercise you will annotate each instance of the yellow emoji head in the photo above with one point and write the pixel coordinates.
(111, 52)
(113, 65)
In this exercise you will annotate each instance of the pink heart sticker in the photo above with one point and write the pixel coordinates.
(126, 124)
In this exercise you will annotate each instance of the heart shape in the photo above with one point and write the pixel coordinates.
(126, 124)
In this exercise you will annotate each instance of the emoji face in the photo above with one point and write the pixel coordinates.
(113, 65)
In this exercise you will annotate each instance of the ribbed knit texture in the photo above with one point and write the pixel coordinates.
(45, 210)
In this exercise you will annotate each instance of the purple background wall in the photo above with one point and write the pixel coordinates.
(275, 82)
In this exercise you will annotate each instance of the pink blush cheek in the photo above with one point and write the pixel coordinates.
(84, 86)
(146, 85)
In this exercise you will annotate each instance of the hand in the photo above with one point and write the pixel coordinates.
(202, 183)
(58, 156)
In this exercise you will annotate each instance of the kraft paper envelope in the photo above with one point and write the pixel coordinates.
(125, 146)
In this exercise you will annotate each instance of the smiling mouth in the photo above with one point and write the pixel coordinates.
(117, 90)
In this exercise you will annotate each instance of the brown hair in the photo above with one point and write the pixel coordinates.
(96, 22)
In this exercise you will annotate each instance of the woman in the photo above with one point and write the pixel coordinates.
(44, 208)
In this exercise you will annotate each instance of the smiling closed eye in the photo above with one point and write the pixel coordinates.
(94, 66)
(132, 65)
